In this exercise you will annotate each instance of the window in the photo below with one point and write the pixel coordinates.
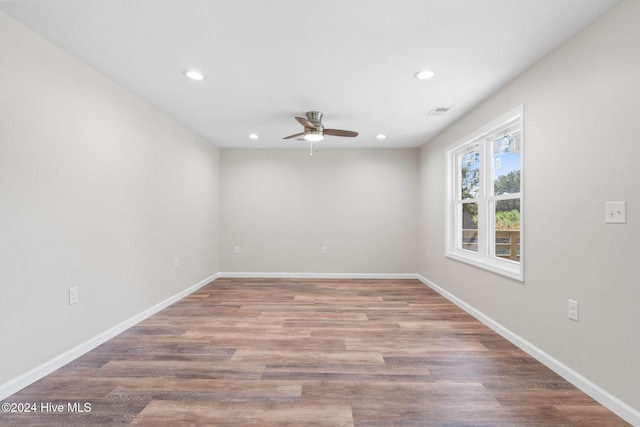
(484, 197)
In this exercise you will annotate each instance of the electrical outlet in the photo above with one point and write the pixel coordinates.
(176, 264)
(573, 310)
(323, 250)
(74, 297)
(236, 249)
(615, 212)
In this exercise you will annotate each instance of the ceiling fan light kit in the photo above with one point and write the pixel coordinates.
(313, 135)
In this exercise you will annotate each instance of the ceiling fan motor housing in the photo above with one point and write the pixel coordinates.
(314, 117)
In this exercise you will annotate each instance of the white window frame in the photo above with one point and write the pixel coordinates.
(485, 256)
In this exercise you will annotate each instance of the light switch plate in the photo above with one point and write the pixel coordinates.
(615, 212)
(573, 310)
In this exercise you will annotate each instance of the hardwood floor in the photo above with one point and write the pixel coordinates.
(301, 352)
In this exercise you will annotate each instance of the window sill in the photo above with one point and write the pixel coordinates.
(510, 269)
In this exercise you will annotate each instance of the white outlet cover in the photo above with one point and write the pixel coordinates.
(73, 295)
(615, 212)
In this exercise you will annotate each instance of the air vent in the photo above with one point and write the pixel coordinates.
(438, 111)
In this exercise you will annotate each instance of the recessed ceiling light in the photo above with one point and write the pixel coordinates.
(194, 75)
(253, 136)
(381, 136)
(424, 74)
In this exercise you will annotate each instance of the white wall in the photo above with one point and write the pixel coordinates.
(282, 206)
(97, 190)
(581, 133)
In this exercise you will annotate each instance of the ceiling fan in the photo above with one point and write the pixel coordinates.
(314, 130)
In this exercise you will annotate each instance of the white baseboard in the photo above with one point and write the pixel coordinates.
(614, 404)
(28, 378)
(317, 275)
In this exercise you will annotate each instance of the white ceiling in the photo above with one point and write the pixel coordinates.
(268, 61)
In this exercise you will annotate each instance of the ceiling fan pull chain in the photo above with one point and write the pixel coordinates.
(311, 148)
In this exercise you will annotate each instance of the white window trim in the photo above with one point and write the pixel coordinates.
(481, 259)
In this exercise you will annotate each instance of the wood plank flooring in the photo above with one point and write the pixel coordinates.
(309, 352)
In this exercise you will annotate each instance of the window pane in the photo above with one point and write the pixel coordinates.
(469, 167)
(469, 223)
(507, 229)
(506, 165)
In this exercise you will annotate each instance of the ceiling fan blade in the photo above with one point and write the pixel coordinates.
(306, 123)
(340, 132)
(293, 136)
